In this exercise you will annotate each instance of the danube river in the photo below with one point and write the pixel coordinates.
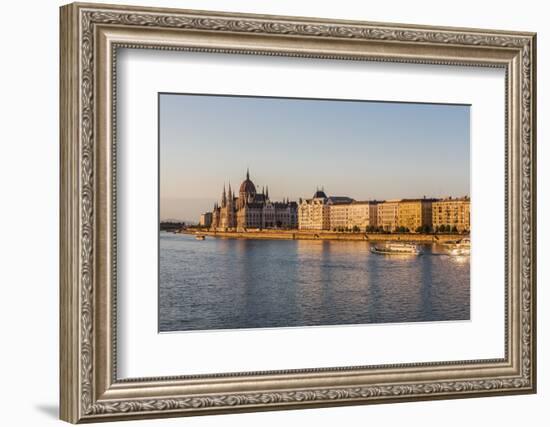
(239, 283)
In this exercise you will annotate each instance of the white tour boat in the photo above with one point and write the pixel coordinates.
(396, 249)
(462, 248)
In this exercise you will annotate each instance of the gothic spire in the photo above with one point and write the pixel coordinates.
(266, 192)
(224, 197)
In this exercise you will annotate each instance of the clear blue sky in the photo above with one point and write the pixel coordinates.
(364, 150)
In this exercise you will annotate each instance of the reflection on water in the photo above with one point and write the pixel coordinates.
(229, 284)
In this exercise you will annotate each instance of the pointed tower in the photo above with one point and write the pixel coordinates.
(231, 220)
(224, 197)
(267, 192)
(215, 217)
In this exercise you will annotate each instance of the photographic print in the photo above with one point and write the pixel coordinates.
(291, 212)
(219, 189)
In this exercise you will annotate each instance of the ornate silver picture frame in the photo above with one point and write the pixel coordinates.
(91, 35)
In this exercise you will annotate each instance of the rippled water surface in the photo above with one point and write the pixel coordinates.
(230, 284)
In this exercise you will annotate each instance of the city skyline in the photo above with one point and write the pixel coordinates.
(295, 146)
(250, 207)
(264, 189)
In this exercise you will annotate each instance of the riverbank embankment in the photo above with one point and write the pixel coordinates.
(328, 235)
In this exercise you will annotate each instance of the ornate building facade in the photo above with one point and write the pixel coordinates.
(314, 213)
(250, 209)
(336, 213)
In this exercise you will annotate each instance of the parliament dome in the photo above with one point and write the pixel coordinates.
(247, 185)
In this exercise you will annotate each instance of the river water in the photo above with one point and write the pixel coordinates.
(236, 283)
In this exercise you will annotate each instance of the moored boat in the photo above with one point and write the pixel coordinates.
(459, 251)
(462, 248)
(200, 237)
(396, 249)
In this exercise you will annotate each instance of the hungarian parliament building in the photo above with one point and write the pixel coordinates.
(252, 210)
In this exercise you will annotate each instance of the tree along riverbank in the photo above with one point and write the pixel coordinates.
(329, 235)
